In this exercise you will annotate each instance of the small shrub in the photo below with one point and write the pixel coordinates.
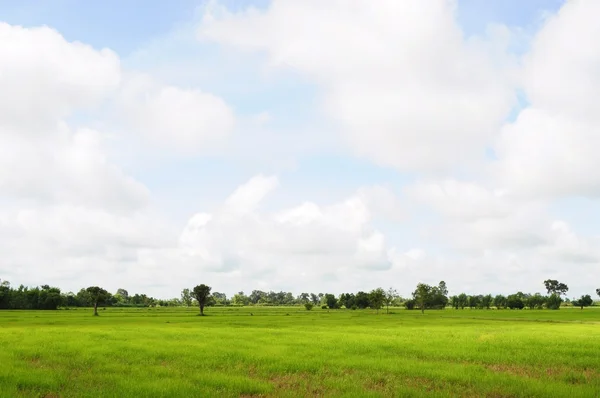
(308, 306)
(324, 307)
(354, 307)
(409, 304)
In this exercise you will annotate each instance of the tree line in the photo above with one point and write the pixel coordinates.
(424, 297)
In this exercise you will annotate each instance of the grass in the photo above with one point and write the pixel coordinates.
(165, 352)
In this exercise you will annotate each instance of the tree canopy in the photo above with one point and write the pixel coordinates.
(97, 295)
(555, 287)
(202, 295)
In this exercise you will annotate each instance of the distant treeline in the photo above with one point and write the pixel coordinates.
(424, 297)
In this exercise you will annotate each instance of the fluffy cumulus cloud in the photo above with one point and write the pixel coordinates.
(306, 243)
(550, 149)
(69, 213)
(403, 83)
(468, 185)
(44, 78)
(184, 120)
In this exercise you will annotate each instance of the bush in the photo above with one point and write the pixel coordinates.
(324, 307)
(354, 307)
(409, 304)
(515, 302)
(308, 306)
(553, 302)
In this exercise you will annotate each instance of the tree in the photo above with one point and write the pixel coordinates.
(257, 295)
(4, 294)
(438, 297)
(390, 295)
(303, 298)
(553, 301)
(376, 298)
(555, 287)
(202, 294)
(584, 301)
(314, 299)
(421, 295)
(97, 295)
(240, 299)
(220, 298)
(347, 300)
(463, 300)
(454, 302)
(186, 297)
(486, 301)
(535, 301)
(308, 306)
(330, 300)
(515, 301)
(49, 298)
(123, 293)
(361, 300)
(474, 301)
(500, 301)
(598, 291)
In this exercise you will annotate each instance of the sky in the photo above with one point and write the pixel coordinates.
(300, 146)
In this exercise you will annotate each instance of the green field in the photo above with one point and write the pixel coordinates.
(161, 352)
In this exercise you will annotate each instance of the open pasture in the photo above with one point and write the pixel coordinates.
(288, 351)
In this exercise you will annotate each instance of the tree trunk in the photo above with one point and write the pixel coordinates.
(201, 310)
(95, 308)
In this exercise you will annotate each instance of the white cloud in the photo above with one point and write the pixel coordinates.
(43, 78)
(66, 167)
(550, 150)
(185, 120)
(404, 85)
(68, 213)
(458, 199)
(306, 239)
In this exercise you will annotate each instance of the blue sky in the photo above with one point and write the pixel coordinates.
(295, 125)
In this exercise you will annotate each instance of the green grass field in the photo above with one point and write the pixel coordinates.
(161, 352)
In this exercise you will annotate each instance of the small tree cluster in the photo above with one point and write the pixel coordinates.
(428, 297)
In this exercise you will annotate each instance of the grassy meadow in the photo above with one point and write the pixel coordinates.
(288, 351)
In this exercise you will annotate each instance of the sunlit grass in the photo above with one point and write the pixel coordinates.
(293, 352)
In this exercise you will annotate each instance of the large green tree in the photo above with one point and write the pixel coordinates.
(555, 287)
(361, 300)
(202, 294)
(499, 301)
(96, 295)
(377, 298)
(4, 294)
(220, 298)
(553, 301)
(186, 297)
(535, 301)
(584, 301)
(486, 301)
(331, 301)
(240, 299)
(422, 295)
(348, 300)
(463, 300)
